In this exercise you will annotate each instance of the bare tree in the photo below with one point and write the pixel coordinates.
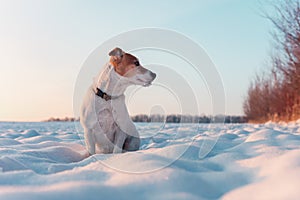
(277, 97)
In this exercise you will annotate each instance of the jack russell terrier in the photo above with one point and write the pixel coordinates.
(104, 116)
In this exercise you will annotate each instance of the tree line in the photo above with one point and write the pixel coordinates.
(275, 94)
(169, 119)
(64, 119)
(188, 119)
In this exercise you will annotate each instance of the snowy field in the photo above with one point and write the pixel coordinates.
(187, 161)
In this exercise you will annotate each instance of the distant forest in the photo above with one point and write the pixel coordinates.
(65, 119)
(170, 119)
(189, 119)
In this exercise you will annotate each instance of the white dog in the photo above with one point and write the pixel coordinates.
(104, 115)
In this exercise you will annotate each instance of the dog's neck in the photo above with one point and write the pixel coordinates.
(110, 82)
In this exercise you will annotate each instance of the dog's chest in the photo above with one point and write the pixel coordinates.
(111, 82)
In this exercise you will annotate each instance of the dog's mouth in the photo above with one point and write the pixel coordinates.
(143, 83)
(147, 84)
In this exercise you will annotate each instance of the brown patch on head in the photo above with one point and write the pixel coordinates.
(129, 59)
(125, 64)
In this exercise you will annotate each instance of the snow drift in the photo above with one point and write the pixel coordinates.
(186, 161)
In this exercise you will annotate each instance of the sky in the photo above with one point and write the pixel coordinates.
(43, 45)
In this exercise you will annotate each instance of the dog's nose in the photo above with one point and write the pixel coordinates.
(153, 75)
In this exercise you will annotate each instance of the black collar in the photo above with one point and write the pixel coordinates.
(103, 95)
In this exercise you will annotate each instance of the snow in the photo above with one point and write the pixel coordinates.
(176, 161)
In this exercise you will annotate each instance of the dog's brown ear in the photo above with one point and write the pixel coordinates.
(116, 56)
(116, 52)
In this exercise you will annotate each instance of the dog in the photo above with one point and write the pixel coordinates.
(104, 117)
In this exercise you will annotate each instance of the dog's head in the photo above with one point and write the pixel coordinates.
(129, 66)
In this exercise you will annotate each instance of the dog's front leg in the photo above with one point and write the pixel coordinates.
(119, 140)
(89, 141)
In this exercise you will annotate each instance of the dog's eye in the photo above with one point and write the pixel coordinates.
(137, 63)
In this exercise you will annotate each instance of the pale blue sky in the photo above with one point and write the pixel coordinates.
(44, 43)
